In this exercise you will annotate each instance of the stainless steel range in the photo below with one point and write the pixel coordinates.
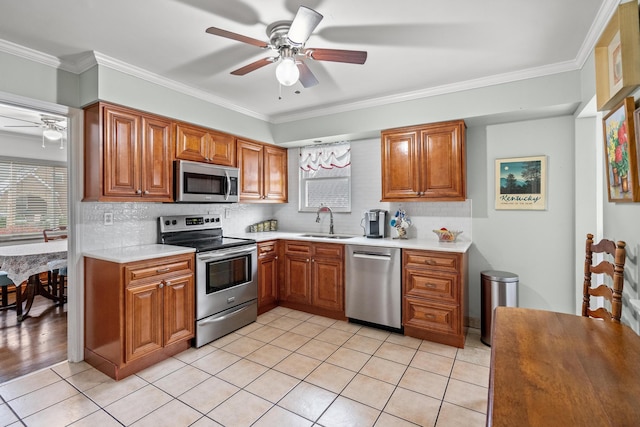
(226, 273)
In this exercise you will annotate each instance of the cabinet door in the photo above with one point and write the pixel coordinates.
(179, 309)
(121, 153)
(222, 149)
(297, 279)
(267, 281)
(275, 174)
(157, 170)
(443, 167)
(143, 320)
(250, 162)
(327, 286)
(191, 143)
(400, 173)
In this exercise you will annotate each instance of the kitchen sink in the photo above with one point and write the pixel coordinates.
(328, 236)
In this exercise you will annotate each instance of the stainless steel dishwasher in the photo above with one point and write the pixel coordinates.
(373, 291)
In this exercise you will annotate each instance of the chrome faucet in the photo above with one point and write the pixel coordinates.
(323, 208)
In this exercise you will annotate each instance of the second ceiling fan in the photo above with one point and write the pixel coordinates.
(287, 39)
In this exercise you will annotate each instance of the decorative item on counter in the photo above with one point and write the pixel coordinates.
(273, 225)
(400, 222)
(445, 235)
(266, 225)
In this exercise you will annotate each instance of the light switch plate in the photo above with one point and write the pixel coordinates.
(108, 218)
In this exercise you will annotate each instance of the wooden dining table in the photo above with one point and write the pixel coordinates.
(25, 263)
(551, 368)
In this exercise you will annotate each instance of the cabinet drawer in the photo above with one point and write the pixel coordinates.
(292, 247)
(432, 260)
(267, 248)
(432, 285)
(139, 272)
(328, 251)
(432, 316)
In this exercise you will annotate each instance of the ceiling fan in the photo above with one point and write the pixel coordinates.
(287, 39)
(53, 129)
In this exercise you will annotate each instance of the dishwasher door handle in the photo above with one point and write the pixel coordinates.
(366, 255)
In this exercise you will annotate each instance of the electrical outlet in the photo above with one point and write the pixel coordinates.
(108, 218)
(227, 213)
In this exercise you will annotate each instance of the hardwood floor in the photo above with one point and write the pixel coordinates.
(35, 343)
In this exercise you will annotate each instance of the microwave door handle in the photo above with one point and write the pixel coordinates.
(228, 189)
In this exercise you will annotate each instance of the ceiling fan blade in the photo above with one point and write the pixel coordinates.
(21, 126)
(306, 76)
(22, 120)
(234, 36)
(305, 21)
(253, 66)
(337, 55)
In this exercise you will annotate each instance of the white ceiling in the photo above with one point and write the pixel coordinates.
(415, 47)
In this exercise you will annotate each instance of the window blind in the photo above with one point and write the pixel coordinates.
(33, 196)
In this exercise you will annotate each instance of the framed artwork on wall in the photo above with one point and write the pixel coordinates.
(620, 152)
(617, 54)
(521, 183)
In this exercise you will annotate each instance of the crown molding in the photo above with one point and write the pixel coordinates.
(597, 27)
(429, 92)
(146, 75)
(30, 54)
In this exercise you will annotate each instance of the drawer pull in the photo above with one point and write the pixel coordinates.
(430, 262)
(163, 270)
(430, 316)
(430, 285)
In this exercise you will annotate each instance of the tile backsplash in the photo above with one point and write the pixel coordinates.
(137, 223)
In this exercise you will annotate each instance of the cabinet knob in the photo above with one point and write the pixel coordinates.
(307, 259)
(138, 191)
(168, 282)
(161, 285)
(146, 191)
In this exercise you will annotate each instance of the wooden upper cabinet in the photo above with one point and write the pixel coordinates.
(204, 145)
(426, 162)
(263, 172)
(127, 155)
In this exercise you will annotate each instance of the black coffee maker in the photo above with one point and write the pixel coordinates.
(374, 223)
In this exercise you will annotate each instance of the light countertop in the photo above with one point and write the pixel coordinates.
(461, 246)
(137, 253)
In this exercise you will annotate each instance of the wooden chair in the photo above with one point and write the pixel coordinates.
(57, 277)
(54, 233)
(614, 269)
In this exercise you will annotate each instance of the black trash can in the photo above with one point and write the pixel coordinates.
(499, 288)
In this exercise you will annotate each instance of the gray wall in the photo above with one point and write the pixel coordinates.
(538, 246)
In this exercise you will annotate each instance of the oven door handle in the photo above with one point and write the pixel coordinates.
(225, 317)
(211, 256)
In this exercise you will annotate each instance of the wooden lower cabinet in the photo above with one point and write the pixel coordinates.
(138, 313)
(433, 294)
(313, 278)
(267, 275)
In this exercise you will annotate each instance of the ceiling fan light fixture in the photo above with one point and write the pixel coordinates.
(287, 71)
(52, 134)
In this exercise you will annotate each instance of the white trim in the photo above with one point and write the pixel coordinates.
(425, 93)
(75, 299)
(143, 74)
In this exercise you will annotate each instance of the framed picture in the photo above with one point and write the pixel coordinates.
(617, 54)
(521, 183)
(620, 152)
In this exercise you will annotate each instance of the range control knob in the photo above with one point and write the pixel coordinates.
(167, 222)
(174, 222)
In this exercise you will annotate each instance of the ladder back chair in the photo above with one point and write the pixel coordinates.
(612, 266)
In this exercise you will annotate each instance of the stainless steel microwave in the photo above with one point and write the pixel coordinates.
(205, 183)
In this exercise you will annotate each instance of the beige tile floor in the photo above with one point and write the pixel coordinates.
(287, 369)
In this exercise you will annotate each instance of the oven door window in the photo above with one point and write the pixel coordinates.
(195, 183)
(228, 273)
